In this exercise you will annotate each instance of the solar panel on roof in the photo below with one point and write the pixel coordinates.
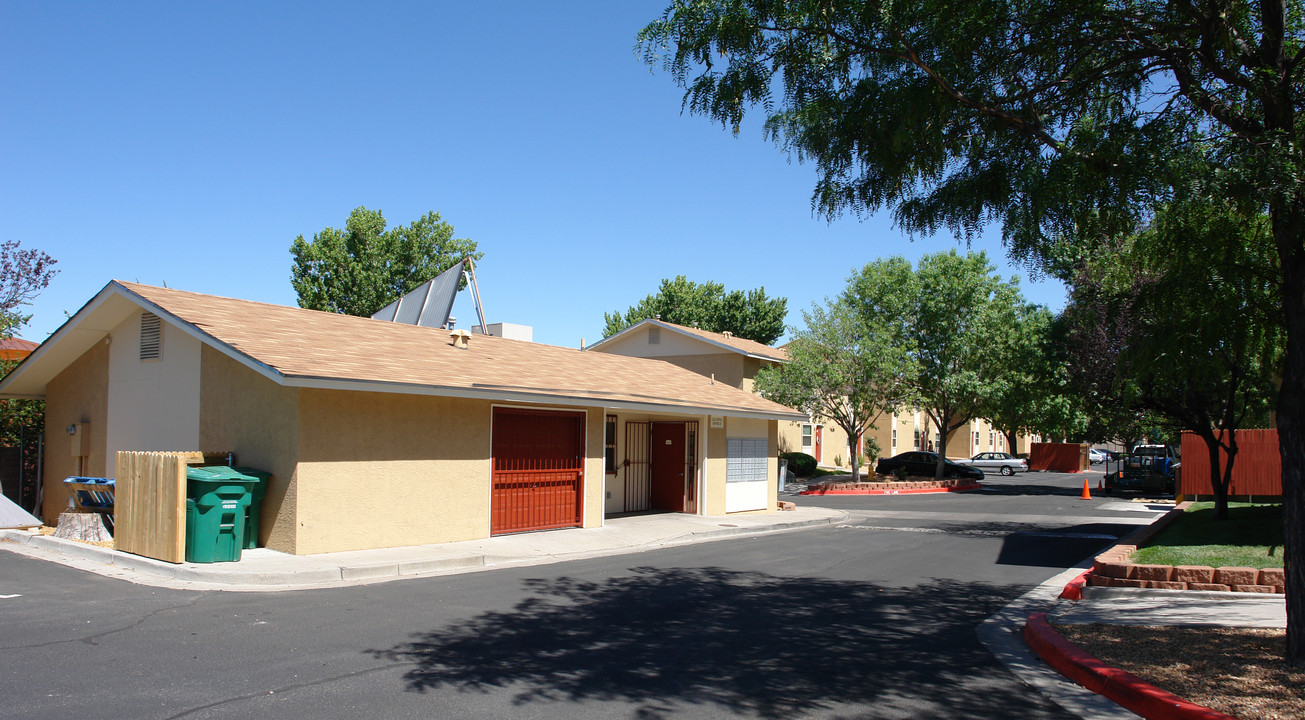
(429, 305)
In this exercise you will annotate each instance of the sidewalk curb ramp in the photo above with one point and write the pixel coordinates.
(1126, 689)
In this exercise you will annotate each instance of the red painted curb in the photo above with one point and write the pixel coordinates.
(1126, 689)
(1074, 588)
(917, 491)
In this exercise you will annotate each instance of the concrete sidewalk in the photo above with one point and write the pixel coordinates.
(1138, 606)
(264, 570)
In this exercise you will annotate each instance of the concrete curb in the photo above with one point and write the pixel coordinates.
(1074, 588)
(1002, 635)
(1124, 688)
(316, 572)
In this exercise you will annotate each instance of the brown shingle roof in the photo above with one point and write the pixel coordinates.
(743, 345)
(310, 345)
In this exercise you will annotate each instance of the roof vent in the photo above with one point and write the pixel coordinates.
(151, 337)
(460, 338)
(728, 334)
(654, 335)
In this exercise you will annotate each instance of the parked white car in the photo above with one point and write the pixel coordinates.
(1096, 457)
(1001, 462)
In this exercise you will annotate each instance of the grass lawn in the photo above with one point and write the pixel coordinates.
(1250, 537)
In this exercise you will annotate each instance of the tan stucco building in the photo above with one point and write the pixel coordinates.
(380, 434)
(735, 361)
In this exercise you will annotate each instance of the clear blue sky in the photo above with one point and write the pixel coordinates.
(189, 143)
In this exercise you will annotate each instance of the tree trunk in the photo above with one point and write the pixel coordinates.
(1291, 418)
(87, 527)
(943, 421)
(1011, 442)
(1291, 445)
(852, 442)
(1219, 479)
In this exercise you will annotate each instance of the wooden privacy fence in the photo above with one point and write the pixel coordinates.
(1256, 472)
(1058, 457)
(151, 504)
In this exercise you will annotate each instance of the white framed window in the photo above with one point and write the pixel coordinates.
(894, 441)
(807, 433)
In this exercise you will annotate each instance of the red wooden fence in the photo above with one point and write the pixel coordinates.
(1257, 470)
(1058, 457)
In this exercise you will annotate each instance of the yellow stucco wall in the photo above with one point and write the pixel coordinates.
(154, 405)
(258, 420)
(78, 394)
(713, 468)
(594, 482)
(833, 442)
(387, 470)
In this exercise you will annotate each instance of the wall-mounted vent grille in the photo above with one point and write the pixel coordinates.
(654, 336)
(151, 337)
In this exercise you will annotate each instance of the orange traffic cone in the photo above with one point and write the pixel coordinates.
(1099, 486)
(1087, 494)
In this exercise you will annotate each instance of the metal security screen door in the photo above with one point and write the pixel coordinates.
(638, 466)
(680, 466)
(538, 470)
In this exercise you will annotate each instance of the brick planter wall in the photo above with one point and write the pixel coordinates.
(1115, 568)
(885, 486)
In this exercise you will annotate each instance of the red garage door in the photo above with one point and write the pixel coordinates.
(539, 460)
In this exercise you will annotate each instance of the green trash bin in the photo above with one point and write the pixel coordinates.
(255, 506)
(217, 504)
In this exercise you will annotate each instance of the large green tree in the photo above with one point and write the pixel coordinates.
(1029, 390)
(1204, 340)
(708, 306)
(364, 267)
(844, 367)
(953, 314)
(1064, 121)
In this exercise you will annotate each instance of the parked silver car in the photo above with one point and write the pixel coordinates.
(1005, 463)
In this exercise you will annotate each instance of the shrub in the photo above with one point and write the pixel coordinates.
(800, 464)
(871, 449)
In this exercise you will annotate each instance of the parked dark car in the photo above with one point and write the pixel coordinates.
(919, 462)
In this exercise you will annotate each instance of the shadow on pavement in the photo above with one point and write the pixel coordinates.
(753, 643)
(990, 488)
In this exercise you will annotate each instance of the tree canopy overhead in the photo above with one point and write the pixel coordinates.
(364, 267)
(709, 306)
(1041, 116)
(1066, 122)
